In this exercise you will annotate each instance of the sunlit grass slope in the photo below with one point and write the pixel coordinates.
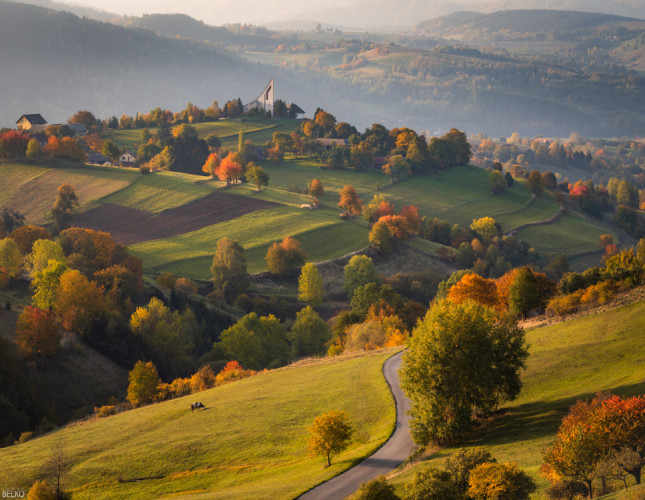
(568, 361)
(250, 442)
(322, 234)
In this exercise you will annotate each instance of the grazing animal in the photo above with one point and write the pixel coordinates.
(196, 406)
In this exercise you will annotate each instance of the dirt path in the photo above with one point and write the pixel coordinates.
(396, 450)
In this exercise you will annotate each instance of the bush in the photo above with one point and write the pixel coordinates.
(144, 169)
(564, 304)
(25, 436)
(376, 489)
(105, 411)
(600, 293)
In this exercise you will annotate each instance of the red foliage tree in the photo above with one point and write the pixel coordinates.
(26, 236)
(228, 170)
(37, 332)
(411, 214)
(15, 142)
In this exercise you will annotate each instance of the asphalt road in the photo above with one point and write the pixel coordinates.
(395, 450)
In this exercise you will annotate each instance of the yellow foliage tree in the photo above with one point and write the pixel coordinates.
(474, 287)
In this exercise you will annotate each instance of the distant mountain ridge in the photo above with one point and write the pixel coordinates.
(475, 24)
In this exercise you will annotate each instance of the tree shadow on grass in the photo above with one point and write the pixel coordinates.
(533, 421)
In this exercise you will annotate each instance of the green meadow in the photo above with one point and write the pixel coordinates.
(568, 361)
(250, 441)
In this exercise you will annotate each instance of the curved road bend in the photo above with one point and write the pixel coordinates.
(395, 450)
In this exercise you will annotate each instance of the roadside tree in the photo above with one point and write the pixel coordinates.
(329, 434)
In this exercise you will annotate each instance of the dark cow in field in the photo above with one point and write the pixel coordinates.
(197, 406)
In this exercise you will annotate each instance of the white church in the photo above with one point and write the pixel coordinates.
(265, 101)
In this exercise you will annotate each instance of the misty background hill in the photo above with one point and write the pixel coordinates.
(362, 14)
(56, 63)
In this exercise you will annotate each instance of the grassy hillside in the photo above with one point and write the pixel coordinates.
(250, 442)
(257, 130)
(568, 361)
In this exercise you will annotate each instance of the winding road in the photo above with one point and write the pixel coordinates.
(395, 450)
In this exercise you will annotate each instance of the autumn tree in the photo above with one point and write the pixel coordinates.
(411, 215)
(376, 208)
(33, 150)
(211, 165)
(78, 300)
(143, 386)
(329, 434)
(381, 237)
(25, 236)
(64, 205)
(285, 257)
(454, 366)
(486, 227)
(396, 168)
(349, 201)
(45, 284)
(535, 183)
(309, 334)
(460, 464)
(37, 332)
(310, 285)
(316, 190)
(376, 488)
(359, 271)
(229, 267)
(10, 260)
(256, 175)
(500, 480)
(229, 170)
(473, 287)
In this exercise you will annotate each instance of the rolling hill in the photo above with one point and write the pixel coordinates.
(250, 442)
(567, 361)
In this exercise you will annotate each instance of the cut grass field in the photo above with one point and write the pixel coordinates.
(571, 235)
(568, 361)
(250, 442)
(321, 232)
(32, 189)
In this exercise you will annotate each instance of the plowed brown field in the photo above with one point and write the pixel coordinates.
(129, 225)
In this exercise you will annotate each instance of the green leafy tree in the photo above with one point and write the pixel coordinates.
(497, 182)
(396, 167)
(110, 150)
(524, 294)
(309, 334)
(143, 387)
(374, 294)
(432, 483)
(256, 175)
(535, 183)
(64, 205)
(229, 267)
(359, 271)
(310, 285)
(241, 148)
(451, 368)
(377, 488)
(329, 434)
(257, 342)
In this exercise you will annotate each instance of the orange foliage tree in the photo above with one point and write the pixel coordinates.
(316, 190)
(474, 287)
(398, 226)
(37, 332)
(229, 170)
(26, 236)
(349, 201)
(78, 300)
(285, 257)
(411, 214)
(212, 163)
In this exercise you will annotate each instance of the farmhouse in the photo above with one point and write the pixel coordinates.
(79, 129)
(31, 123)
(128, 159)
(295, 111)
(265, 101)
